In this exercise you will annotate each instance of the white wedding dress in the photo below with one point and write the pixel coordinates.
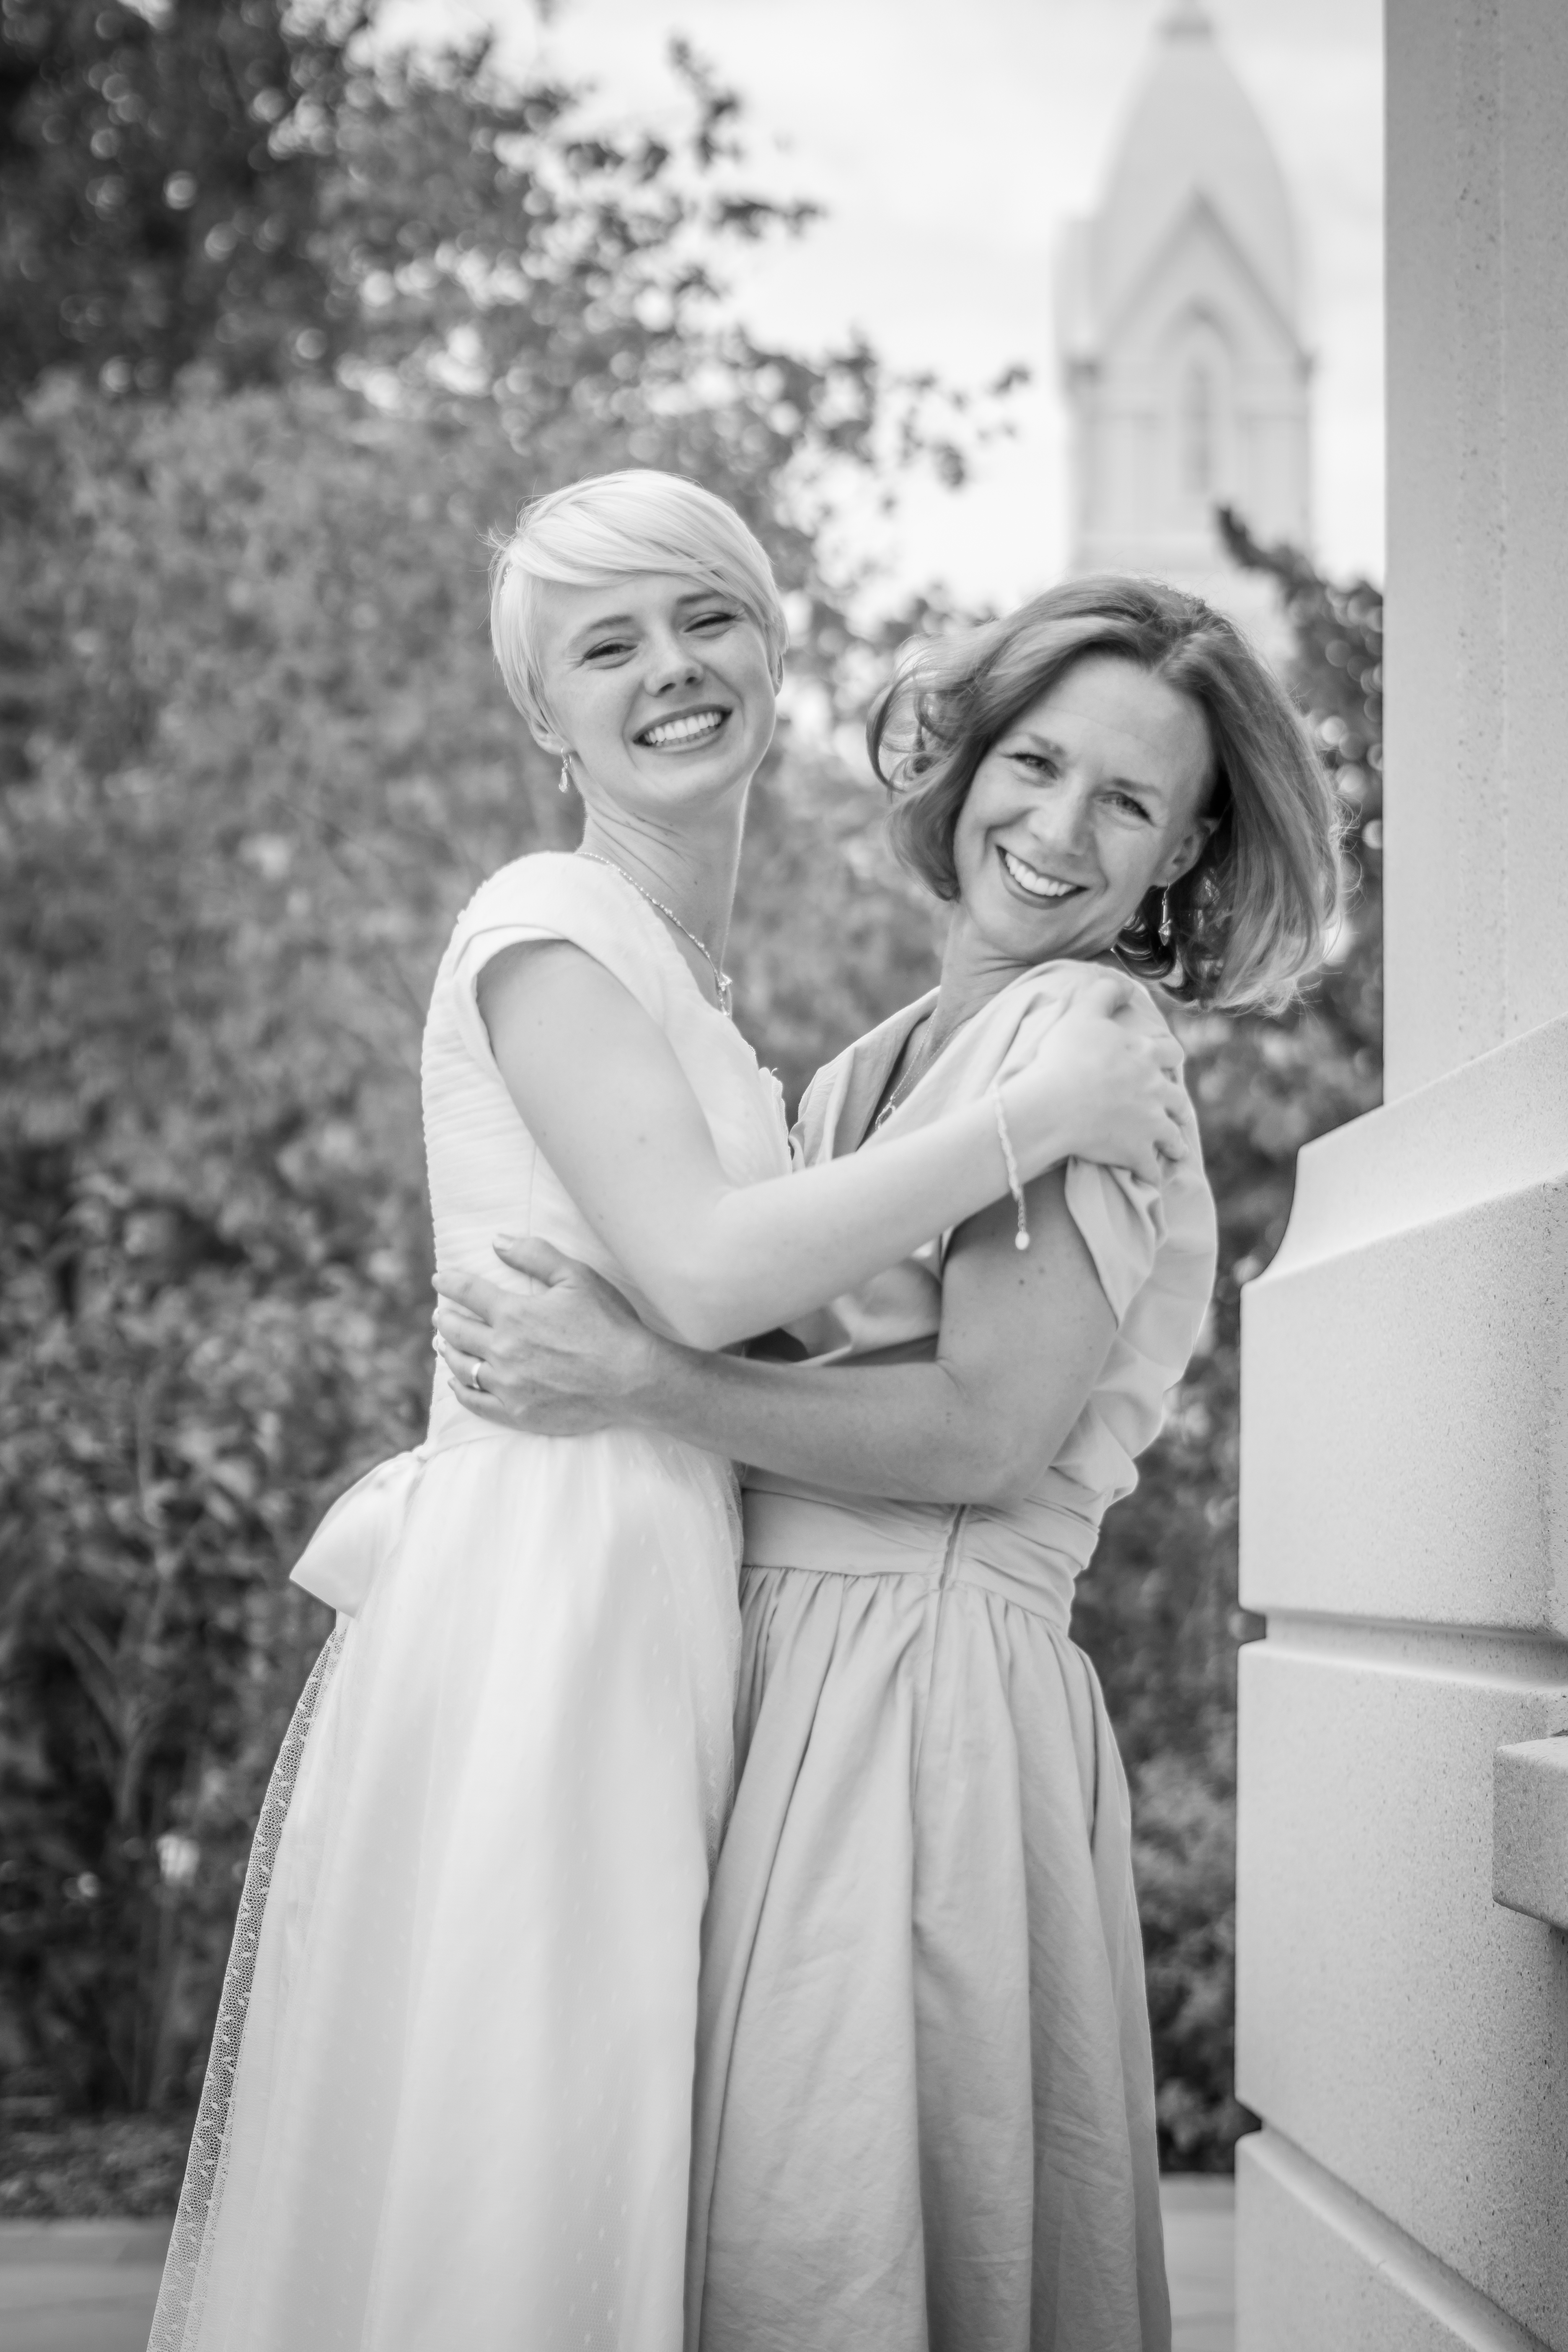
(449, 2106)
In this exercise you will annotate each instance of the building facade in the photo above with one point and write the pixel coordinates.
(1179, 326)
(1403, 1864)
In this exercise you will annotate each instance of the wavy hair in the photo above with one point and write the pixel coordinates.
(1250, 920)
(607, 526)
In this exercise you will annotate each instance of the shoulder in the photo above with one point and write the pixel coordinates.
(1067, 982)
(541, 890)
(550, 894)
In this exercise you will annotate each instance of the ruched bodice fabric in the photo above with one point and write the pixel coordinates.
(486, 1174)
(449, 2100)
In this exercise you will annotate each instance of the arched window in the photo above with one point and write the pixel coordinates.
(1198, 431)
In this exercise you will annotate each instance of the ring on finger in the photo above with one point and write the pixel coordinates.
(474, 1380)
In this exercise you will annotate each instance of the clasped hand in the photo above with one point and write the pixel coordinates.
(560, 1361)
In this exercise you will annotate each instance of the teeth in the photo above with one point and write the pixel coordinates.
(690, 729)
(1039, 886)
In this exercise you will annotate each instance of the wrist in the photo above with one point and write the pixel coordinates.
(1041, 1129)
(650, 1377)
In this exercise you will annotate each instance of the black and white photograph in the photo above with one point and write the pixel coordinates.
(784, 1399)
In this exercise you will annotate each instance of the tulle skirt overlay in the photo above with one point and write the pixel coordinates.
(450, 2097)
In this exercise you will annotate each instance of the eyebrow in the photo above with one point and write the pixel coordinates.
(1045, 743)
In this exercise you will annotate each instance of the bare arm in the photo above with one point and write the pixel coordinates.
(603, 1094)
(1022, 1338)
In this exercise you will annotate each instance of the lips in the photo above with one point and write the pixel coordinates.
(1043, 889)
(683, 730)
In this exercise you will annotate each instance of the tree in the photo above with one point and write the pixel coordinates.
(161, 169)
(253, 757)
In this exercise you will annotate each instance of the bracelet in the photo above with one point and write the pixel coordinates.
(1015, 1181)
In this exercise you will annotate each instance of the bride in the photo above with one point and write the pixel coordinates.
(449, 2098)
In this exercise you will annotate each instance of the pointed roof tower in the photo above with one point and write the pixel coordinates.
(1191, 135)
(1179, 309)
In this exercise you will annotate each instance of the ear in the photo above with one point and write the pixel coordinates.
(1187, 851)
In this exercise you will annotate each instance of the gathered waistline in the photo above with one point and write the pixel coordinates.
(808, 1535)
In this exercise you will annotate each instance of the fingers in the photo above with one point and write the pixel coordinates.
(476, 1292)
(483, 1407)
(527, 1254)
(461, 1330)
(460, 1370)
(1107, 995)
(459, 1361)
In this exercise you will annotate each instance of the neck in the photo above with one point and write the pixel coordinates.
(691, 868)
(973, 971)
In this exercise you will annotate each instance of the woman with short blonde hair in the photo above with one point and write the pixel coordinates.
(925, 2103)
(449, 2103)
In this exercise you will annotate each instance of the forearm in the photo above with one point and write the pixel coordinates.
(758, 1255)
(912, 1432)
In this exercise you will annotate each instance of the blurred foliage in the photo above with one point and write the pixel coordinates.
(160, 181)
(253, 758)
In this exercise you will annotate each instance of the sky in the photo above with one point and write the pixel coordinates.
(948, 140)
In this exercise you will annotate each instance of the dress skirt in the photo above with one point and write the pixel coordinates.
(925, 2110)
(449, 2102)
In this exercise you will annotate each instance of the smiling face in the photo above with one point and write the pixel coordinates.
(659, 689)
(1091, 798)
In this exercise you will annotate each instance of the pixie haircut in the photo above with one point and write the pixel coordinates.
(603, 529)
(1248, 922)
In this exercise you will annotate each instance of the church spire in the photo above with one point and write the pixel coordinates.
(1180, 327)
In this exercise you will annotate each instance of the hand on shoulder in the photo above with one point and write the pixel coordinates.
(1110, 1071)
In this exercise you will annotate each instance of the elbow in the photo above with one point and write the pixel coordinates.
(1005, 1470)
(701, 1328)
(697, 1311)
(999, 1487)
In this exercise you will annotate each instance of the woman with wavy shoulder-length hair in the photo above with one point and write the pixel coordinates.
(925, 2104)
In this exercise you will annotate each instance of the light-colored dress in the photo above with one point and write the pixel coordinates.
(449, 2099)
(925, 2114)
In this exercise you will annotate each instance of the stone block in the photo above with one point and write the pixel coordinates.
(1394, 2022)
(1530, 1829)
(1404, 1382)
(1319, 2271)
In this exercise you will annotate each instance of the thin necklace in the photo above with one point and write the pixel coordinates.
(721, 979)
(918, 1066)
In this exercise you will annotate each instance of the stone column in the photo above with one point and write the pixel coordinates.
(1405, 1410)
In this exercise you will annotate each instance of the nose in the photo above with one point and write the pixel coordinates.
(1058, 823)
(672, 662)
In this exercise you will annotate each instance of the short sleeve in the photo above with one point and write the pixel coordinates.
(1121, 1220)
(553, 896)
(1120, 1217)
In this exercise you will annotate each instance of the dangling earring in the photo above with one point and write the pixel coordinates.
(565, 772)
(1166, 917)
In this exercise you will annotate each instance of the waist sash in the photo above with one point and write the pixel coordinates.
(1029, 1555)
